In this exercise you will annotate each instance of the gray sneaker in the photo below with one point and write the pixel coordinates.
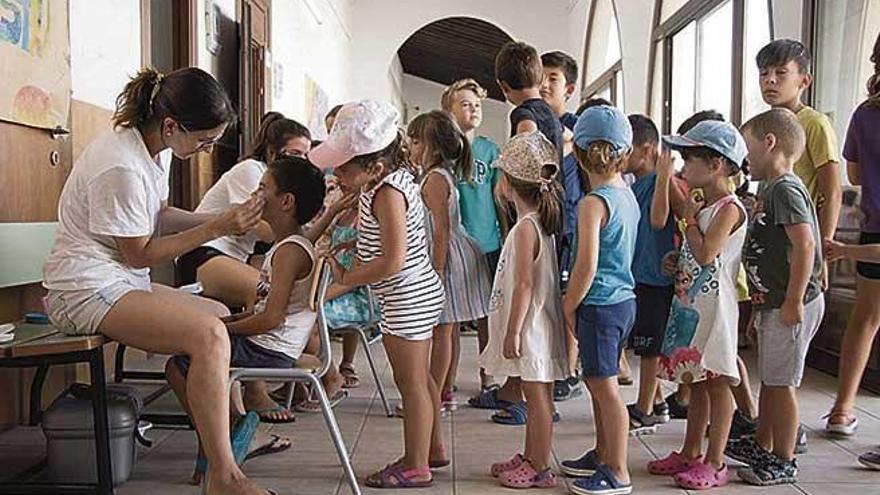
(771, 471)
(641, 423)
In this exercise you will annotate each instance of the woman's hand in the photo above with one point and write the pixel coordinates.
(240, 218)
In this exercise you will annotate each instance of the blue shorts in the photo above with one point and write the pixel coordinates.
(602, 334)
(245, 354)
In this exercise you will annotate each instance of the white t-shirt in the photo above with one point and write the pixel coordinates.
(292, 335)
(235, 186)
(116, 189)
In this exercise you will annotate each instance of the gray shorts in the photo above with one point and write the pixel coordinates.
(782, 350)
(80, 312)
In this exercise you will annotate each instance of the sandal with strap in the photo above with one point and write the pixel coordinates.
(517, 415)
(488, 399)
(526, 476)
(847, 428)
(397, 476)
(671, 465)
(500, 468)
(702, 476)
(350, 375)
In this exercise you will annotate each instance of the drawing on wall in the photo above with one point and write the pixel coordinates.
(317, 104)
(35, 62)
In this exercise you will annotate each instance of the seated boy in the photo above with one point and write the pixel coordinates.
(276, 332)
(783, 258)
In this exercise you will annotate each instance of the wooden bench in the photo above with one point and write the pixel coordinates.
(42, 346)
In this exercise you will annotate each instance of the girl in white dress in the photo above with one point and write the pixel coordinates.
(526, 331)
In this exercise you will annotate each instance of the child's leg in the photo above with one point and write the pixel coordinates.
(783, 410)
(511, 391)
(539, 427)
(349, 348)
(856, 347)
(683, 394)
(482, 342)
(721, 407)
(742, 393)
(648, 383)
(409, 363)
(436, 452)
(441, 353)
(452, 374)
(697, 420)
(615, 424)
(764, 435)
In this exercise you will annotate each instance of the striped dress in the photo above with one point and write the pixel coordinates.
(411, 300)
(466, 279)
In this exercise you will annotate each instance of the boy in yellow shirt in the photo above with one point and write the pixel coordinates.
(784, 76)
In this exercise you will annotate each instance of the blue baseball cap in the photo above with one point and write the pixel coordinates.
(722, 137)
(604, 123)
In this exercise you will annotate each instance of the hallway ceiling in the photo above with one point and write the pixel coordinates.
(454, 48)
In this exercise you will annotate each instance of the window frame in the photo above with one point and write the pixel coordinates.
(663, 33)
(613, 74)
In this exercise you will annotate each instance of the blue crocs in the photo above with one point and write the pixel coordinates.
(582, 467)
(602, 482)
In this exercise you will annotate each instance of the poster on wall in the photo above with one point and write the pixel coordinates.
(35, 62)
(317, 104)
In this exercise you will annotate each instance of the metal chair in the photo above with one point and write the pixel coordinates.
(311, 372)
(366, 342)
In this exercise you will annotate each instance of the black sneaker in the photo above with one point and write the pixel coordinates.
(661, 412)
(677, 410)
(742, 425)
(747, 451)
(640, 423)
(566, 389)
(772, 471)
(800, 447)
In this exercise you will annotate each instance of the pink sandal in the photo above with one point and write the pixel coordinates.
(702, 476)
(525, 476)
(500, 468)
(397, 476)
(671, 465)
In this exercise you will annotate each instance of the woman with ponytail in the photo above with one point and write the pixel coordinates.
(98, 273)
(527, 340)
(862, 154)
(443, 153)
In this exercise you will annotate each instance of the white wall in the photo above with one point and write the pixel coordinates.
(104, 48)
(421, 95)
(310, 39)
(635, 22)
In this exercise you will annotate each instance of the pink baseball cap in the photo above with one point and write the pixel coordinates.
(360, 128)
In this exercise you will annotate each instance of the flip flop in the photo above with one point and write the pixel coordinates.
(276, 444)
(349, 373)
(313, 406)
(264, 415)
(517, 415)
(396, 476)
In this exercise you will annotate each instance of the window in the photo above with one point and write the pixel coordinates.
(602, 67)
(704, 55)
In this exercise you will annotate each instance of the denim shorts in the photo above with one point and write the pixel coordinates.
(602, 334)
(80, 312)
(245, 354)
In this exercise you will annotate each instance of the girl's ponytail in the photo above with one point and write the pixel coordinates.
(550, 205)
(134, 105)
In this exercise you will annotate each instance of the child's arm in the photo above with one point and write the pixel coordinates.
(592, 213)
(526, 242)
(330, 214)
(803, 247)
(869, 253)
(290, 263)
(389, 206)
(436, 196)
(706, 247)
(828, 179)
(667, 195)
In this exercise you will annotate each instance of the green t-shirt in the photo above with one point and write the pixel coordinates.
(476, 197)
(767, 252)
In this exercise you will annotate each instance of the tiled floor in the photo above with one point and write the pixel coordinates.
(311, 467)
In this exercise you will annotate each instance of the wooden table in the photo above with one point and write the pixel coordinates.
(42, 346)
